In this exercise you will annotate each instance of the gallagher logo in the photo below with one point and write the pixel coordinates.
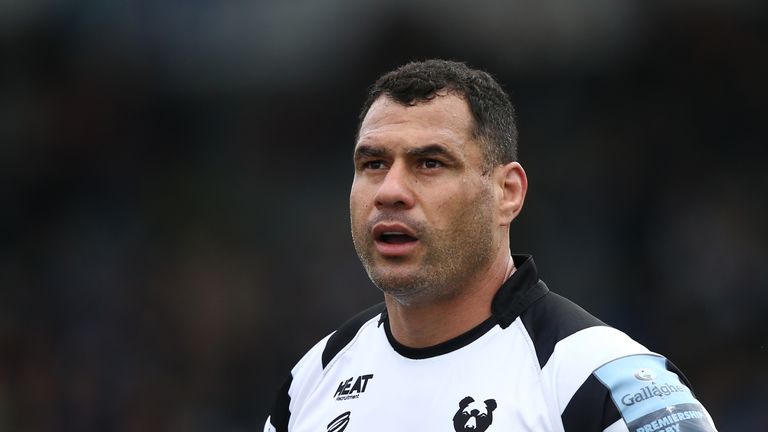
(339, 423)
(652, 391)
(352, 388)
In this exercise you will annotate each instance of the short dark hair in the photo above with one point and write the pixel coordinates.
(490, 105)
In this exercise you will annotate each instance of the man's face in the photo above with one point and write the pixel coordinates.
(422, 209)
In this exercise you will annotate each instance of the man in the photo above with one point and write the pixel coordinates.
(468, 338)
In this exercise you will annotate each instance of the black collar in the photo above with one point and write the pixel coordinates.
(518, 292)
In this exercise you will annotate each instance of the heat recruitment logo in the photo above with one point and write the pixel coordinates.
(352, 388)
(652, 391)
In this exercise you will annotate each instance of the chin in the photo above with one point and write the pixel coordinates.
(391, 282)
(406, 288)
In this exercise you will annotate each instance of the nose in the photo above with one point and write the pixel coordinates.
(395, 189)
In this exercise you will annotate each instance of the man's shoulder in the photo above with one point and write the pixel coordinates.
(347, 331)
(553, 319)
(323, 352)
(602, 379)
(309, 369)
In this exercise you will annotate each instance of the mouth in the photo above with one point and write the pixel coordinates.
(394, 239)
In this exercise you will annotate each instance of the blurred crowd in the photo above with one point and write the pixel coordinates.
(176, 178)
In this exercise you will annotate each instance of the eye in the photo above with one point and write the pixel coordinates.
(374, 165)
(431, 163)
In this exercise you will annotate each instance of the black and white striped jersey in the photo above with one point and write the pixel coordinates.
(539, 363)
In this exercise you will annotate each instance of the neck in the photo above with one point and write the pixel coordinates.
(424, 325)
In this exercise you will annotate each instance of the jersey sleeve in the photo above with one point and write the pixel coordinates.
(637, 393)
(303, 378)
(308, 372)
(278, 417)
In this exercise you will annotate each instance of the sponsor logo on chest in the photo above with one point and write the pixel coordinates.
(352, 388)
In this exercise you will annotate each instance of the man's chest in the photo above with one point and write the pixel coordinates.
(483, 387)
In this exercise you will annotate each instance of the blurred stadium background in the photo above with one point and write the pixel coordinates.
(176, 174)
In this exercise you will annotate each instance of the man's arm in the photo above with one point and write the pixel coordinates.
(280, 414)
(308, 371)
(637, 393)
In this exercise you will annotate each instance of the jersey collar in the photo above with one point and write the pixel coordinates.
(519, 291)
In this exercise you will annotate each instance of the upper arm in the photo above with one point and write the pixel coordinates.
(643, 393)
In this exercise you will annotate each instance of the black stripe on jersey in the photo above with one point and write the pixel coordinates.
(553, 318)
(518, 292)
(280, 411)
(591, 408)
(683, 379)
(347, 332)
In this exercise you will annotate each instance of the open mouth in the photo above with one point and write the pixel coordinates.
(396, 238)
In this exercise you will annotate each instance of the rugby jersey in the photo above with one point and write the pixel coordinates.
(539, 363)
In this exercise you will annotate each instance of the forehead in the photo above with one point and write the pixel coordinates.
(445, 119)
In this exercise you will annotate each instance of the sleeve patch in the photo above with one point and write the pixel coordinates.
(678, 418)
(643, 390)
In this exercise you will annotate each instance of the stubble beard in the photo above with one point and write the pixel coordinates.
(453, 257)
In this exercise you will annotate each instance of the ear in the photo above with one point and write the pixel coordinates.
(490, 404)
(466, 401)
(511, 185)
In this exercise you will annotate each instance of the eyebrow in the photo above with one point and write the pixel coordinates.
(427, 151)
(430, 151)
(366, 151)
